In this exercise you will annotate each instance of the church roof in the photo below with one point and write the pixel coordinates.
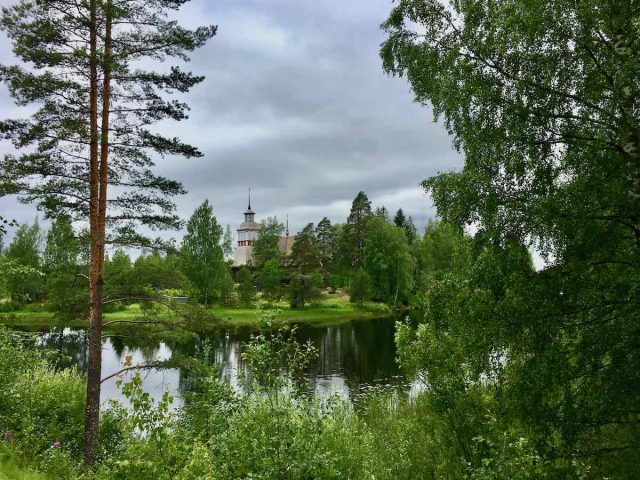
(248, 226)
(285, 243)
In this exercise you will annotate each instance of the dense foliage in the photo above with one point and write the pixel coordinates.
(543, 99)
(522, 369)
(204, 252)
(270, 432)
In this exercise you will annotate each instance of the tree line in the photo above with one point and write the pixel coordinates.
(371, 256)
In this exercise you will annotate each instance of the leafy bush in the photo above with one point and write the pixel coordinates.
(276, 431)
(39, 406)
(9, 306)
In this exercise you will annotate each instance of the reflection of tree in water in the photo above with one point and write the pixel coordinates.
(225, 351)
(126, 344)
(361, 352)
(351, 355)
(70, 345)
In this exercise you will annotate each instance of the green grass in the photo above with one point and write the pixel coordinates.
(329, 310)
(10, 471)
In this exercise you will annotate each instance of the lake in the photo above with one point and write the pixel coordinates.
(353, 357)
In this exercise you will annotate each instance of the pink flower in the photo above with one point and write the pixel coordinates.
(56, 444)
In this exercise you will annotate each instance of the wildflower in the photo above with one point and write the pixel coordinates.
(8, 437)
(56, 444)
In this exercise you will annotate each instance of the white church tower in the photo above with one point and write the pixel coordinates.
(247, 233)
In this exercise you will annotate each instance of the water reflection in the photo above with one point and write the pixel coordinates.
(352, 356)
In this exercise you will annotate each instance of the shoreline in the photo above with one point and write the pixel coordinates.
(225, 317)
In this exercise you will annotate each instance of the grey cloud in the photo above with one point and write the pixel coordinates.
(295, 105)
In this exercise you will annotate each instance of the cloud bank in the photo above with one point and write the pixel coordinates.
(296, 106)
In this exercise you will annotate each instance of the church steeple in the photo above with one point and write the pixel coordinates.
(249, 214)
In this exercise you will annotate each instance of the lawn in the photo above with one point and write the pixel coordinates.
(330, 309)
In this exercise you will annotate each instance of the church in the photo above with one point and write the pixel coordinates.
(247, 233)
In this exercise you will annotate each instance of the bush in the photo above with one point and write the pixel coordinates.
(9, 306)
(38, 405)
(360, 287)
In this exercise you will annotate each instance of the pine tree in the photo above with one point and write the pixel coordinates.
(355, 231)
(91, 130)
(326, 237)
(305, 257)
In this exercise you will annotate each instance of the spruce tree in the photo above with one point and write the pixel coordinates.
(406, 223)
(355, 231)
(400, 220)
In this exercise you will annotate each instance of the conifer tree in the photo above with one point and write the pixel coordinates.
(326, 237)
(400, 220)
(382, 213)
(304, 254)
(355, 231)
(406, 223)
(91, 131)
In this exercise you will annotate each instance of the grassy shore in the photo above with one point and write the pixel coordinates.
(330, 309)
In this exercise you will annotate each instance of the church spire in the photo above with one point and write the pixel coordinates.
(287, 225)
(249, 214)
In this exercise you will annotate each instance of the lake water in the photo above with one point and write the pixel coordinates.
(353, 357)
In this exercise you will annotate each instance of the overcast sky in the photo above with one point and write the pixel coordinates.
(295, 105)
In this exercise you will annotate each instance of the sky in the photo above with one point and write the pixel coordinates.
(295, 105)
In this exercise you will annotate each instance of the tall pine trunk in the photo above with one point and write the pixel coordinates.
(94, 363)
(97, 225)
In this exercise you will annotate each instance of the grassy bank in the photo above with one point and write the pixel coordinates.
(329, 310)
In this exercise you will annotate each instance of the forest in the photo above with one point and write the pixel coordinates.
(379, 261)
(516, 311)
